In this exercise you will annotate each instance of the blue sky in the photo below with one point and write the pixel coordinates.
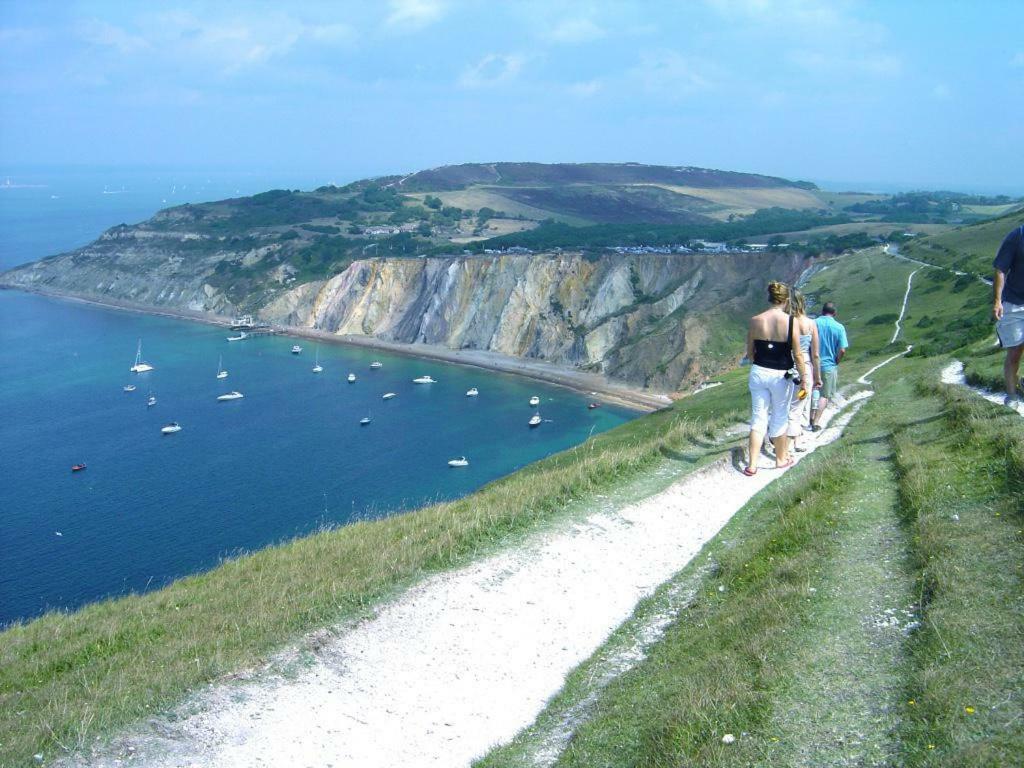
(927, 94)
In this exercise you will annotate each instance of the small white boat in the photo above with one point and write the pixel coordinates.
(535, 420)
(364, 421)
(423, 380)
(151, 401)
(461, 461)
(242, 336)
(534, 401)
(140, 366)
(376, 364)
(317, 368)
(351, 378)
(170, 429)
(296, 349)
(128, 388)
(472, 392)
(233, 395)
(389, 395)
(221, 373)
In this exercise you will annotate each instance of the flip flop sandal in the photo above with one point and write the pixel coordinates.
(749, 472)
(789, 463)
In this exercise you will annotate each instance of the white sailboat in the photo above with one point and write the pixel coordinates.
(472, 392)
(233, 395)
(365, 420)
(351, 378)
(424, 380)
(460, 461)
(317, 368)
(388, 395)
(140, 366)
(151, 400)
(221, 373)
(534, 401)
(535, 420)
(170, 429)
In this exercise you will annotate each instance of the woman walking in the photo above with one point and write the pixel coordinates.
(773, 347)
(800, 406)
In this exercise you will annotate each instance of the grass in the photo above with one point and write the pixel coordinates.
(971, 248)
(962, 494)
(804, 676)
(66, 679)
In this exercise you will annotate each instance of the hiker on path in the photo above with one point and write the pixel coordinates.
(832, 344)
(1008, 310)
(810, 371)
(773, 345)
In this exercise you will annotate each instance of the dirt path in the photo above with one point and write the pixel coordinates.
(954, 374)
(463, 661)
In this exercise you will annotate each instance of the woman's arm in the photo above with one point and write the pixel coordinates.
(815, 354)
(750, 341)
(794, 340)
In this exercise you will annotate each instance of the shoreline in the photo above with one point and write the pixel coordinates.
(595, 385)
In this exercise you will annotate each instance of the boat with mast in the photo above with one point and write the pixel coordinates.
(221, 373)
(317, 368)
(140, 365)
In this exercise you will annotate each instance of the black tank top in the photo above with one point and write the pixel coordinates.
(777, 355)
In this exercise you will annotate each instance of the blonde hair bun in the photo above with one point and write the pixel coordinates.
(778, 293)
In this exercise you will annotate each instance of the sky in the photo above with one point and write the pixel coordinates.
(868, 95)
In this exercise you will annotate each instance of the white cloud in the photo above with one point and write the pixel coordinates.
(414, 14)
(586, 88)
(669, 73)
(493, 69)
(107, 35)
(579, 29)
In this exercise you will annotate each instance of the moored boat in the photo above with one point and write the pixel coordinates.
(592, 406)
(460, 461)
(128, 388)
(534, 401)
(535, 420)
(376, 364)
(364, 421)
(242, 336)
(170, 429)
(296, 349)
(233, 395)
(78, 467)
(317, 368)
(389, 395)
(424, 380)
(140, 366)
(473, 392)
(150, 401)
(351, 378)
(221, 373)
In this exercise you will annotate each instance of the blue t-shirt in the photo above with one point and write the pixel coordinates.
(1010, 261)
(831, 338)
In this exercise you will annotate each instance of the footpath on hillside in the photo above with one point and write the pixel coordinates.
(464, 660)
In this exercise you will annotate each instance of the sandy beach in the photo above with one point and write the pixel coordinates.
(595, 385)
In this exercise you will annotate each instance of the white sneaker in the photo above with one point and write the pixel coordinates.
(1015, 402)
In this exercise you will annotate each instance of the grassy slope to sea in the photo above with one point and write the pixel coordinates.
(66, 679)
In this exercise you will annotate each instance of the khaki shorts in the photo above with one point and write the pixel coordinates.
(1010, 329)
(829, 382)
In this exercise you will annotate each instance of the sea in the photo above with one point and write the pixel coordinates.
(288, 459)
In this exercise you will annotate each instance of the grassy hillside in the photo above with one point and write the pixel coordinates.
(970, 248)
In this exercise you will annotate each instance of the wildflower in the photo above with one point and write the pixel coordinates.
(969, 710)
(911, 702)
(931, 746)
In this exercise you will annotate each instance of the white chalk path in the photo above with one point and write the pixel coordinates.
(867, 381)
(903, 309)
(463, 661)
(954, 374)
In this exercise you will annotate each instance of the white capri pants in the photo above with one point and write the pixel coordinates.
(800, 410)
(770, 395)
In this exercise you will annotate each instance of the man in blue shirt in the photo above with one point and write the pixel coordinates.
(832, 343)
(1008, 310)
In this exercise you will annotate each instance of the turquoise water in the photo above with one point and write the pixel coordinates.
(286, 460)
